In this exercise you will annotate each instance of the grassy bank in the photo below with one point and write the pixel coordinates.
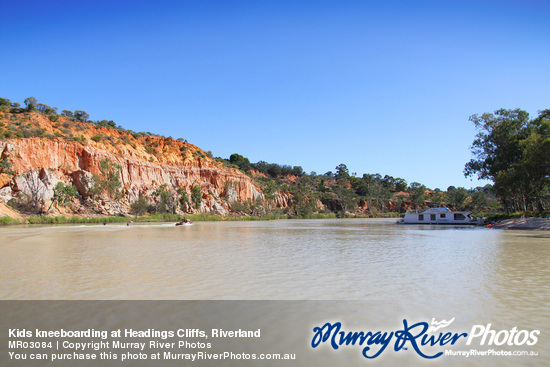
(9, 220)
(61, 219)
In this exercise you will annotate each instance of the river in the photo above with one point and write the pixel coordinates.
(478, 275)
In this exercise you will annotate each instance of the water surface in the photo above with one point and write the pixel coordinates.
(358, 259)
(475, 274)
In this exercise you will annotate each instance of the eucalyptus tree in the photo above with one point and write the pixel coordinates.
(514, 152)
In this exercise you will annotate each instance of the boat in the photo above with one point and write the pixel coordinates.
(438, 216)
(184, 222)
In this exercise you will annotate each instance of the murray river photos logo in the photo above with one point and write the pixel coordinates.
(425, 339)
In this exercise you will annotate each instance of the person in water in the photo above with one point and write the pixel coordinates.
(183, 221)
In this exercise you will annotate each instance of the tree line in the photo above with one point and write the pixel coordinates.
(343, 193)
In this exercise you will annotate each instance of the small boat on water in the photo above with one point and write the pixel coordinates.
(184, 222)
(438, 216)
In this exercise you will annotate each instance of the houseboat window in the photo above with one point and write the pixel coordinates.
(459, 216)
(432, 216)
(442, 215)
(420, 216)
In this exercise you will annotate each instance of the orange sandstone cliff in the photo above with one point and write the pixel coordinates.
(70, 152)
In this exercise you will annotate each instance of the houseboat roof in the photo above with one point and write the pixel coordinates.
(434, 211)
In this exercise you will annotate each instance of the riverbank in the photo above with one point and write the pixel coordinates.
(524, 223)
(61, 219)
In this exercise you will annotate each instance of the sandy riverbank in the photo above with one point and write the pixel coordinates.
(524, 223)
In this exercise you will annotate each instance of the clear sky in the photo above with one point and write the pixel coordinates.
(383, 86)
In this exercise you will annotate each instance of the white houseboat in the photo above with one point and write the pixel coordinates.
(437, 216)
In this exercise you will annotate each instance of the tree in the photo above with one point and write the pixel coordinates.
(374, 189)
(108, 180)
(346, 197)
(62, 193)
(439, 198)
(418, 193)
(68, 114)
(303, 201)
(196, 196)
(111, 174)
(298, 171)
(342, 172)
(240, 161)
(457, 197)
(30, 102)
(479, 200)
(5, 104)
(105, 123)
(166, 202)
(45, 109)
(399, 200)
(388, 182)
(139, 207)
(81, 116)
(400, 184)
(184, 199)
(269, 191)
(513, 152)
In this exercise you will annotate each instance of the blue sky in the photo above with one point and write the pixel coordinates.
(383, 86)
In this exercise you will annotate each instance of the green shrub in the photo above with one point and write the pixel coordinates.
(96, 138)
(139, 207)
(8, 220)
(53, 117)
(5, 166)
(39, 132)
(196, 196)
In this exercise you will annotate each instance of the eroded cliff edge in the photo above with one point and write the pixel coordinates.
(71, 152)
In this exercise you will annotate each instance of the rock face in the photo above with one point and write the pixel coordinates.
(43, 162)
(83, 180)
